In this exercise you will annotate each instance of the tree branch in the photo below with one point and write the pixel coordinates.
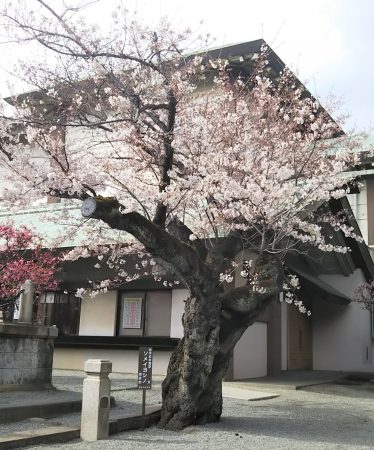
(181, 231)
(161, 211)
(267, 280)
(156, 240)
(244, 300)
(225, 248)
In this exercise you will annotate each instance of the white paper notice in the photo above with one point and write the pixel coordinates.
(132, 312)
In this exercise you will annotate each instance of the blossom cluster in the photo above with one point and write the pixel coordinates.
(22, 258)
(291, 286)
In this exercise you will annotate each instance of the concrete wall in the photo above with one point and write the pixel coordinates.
(98, 315)
(124, 361)
(26, 354)
(342, 334)
(250, 354)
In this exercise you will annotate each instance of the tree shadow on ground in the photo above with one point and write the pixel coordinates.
(316, 424)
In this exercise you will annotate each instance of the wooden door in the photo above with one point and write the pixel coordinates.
(300, 340)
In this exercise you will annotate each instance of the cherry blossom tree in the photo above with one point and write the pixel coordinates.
(208, 166)
(23, 258)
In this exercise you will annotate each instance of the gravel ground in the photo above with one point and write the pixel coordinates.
(68, 385)
(332, 416)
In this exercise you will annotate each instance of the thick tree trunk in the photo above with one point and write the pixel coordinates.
(192, 389)
(185, 387)
(213, 324)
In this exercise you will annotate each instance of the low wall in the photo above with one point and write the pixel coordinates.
(123, 361)
(26, 356)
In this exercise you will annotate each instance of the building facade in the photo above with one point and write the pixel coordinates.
(337, 336)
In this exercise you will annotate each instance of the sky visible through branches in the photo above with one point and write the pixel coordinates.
(329, 42)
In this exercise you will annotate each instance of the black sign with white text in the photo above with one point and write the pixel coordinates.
(145, 368)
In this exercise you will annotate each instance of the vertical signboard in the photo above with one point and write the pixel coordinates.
(145, 368)
(145, 374)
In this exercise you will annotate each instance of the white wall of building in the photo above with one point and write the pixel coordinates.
(98, 315)
(178, 297)
(124, 361)
(250, 354)
(342, 334)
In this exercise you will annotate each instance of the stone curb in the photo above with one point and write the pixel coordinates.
(247, 394)
(264, 397)
(132, 422)
(43, 410)
(62, 434)
(40, 436)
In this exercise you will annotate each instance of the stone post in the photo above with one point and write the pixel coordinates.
(96, 400)
(26, 302)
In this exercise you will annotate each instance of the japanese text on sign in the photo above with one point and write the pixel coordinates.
(145, 368)
(132, 312)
